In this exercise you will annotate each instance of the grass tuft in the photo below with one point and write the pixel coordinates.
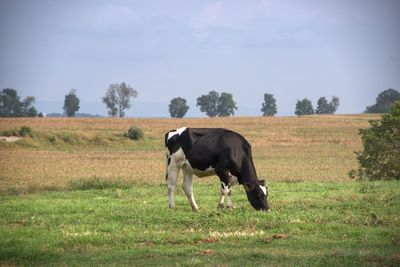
(97, 183)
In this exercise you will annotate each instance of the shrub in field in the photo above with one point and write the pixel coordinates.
(22, 131)
(25, 131)
(10, 132)
(380, 159)
(135, 133)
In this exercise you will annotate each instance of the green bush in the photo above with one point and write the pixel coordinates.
(380, 159)
(22, 131)
(25, 131)
(135, 133)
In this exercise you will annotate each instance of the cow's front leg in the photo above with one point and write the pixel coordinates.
(172, 174)
(225, 193)
(188, 188)
(225, 178)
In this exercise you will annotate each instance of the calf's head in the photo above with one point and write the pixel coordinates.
(257, 195)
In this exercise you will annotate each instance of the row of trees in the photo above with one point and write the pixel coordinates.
(305, 107)
(117, 100)
(221, 105)
(214, 104)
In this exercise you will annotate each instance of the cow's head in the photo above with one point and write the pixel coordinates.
(258, 195)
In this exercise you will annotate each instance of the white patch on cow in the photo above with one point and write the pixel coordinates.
(263, 189)
(177, 131)
(178, 159)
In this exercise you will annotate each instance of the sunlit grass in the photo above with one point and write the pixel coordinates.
(80, 193)
(346, 224)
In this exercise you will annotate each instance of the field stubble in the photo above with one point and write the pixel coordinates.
(315, 148)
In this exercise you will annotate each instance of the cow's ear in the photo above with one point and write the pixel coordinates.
(262, 182)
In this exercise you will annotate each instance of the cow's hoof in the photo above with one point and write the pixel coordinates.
(230, 206)
(221, 206)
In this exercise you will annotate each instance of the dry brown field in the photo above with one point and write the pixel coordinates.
(310, 148)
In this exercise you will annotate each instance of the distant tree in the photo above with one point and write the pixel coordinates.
(111, 99)
(380, 157)
(269, 106)
(384, 101)
(11, 106)
(28, 108)
(334, 104)
(117, 98)
(209, 103)
(178, 107)
(323, 107)
(304, 107)
(214, 104)
(226, 105)
(71, 103)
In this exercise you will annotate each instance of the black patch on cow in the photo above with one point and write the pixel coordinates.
(223, 150)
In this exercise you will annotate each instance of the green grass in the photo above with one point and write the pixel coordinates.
(311, 223)
(78, 192)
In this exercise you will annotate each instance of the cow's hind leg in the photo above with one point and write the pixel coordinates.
(172, 174)
(188, 188)
(225, 178)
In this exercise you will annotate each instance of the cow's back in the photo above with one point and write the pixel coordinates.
(206, 147)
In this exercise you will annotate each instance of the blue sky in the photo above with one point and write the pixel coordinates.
(164, 49)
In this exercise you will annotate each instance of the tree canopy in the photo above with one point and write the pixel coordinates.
(304, 107)
(214, 104)
(11, 106)
(268, 108)
(226, 105)
(117, 98)
(380, 158)
(323, 107)
(384, 101)
(209, 103)
(71, 103)
(178, 107)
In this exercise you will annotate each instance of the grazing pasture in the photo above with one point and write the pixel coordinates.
(78, 192)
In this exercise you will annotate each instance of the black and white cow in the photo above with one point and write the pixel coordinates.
(209, 151)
